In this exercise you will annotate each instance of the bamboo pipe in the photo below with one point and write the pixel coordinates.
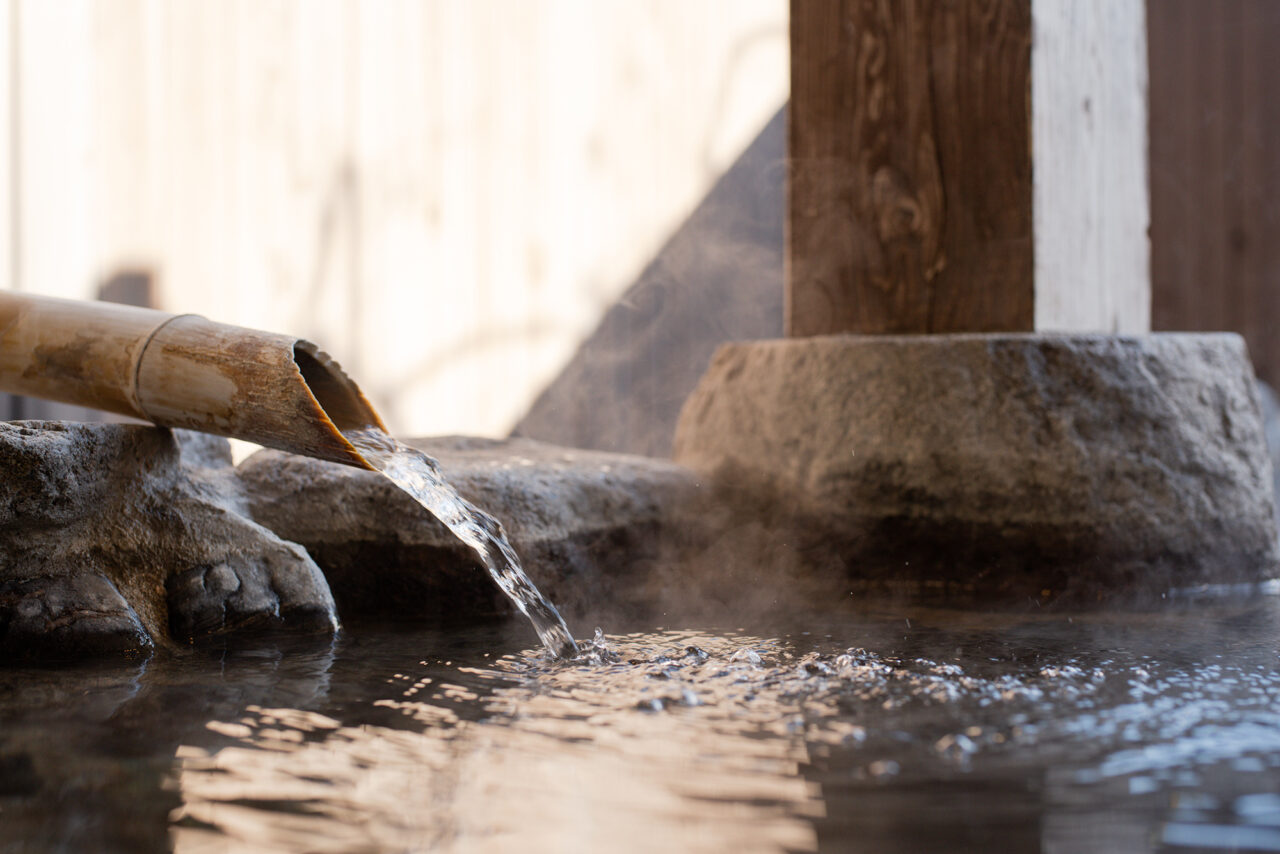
(182, 371)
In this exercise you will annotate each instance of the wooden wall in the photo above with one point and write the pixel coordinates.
(947, 176)
(1215, 170)
(446, 194)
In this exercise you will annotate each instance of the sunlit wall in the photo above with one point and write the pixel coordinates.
(444, 194)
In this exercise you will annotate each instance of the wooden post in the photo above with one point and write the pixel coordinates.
(1215, 177)
(967, 166)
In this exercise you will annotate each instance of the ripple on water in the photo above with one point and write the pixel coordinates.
(731, 741)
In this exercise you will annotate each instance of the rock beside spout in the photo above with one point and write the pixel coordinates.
(587, 525)
(115, 538)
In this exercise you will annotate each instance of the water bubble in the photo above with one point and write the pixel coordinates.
(596, 651)
(696, 653)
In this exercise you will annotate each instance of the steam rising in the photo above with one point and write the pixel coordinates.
(719, 278)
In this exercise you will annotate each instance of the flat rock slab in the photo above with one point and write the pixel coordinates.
(114, 538)
(586, 524)
(1073, 467)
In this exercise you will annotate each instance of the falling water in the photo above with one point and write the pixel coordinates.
(420, 476)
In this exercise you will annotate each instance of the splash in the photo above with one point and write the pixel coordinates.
(419, 475)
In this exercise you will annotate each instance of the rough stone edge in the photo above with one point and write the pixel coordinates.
(775, 502)
(578, 569)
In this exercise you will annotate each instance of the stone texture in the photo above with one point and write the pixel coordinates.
(587, 525)
(114, 537)
(1063, 467)
(68, 616)
(1271, 429)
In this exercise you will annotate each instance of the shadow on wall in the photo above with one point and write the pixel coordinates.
(719, 278)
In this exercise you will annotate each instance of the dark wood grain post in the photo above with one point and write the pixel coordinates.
(916, 188)
(1215, 176)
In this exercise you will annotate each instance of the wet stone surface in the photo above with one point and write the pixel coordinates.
(109, 533)
(115, 538)
(73, 615)
(588, 526)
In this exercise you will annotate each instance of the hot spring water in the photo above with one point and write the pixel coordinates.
(879, 728)
(419, 476)
(882, 727)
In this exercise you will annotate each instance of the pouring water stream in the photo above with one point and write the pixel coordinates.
(419, 475)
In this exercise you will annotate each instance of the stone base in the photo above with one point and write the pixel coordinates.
(588, 526)
(115, 539)
(1054, 466)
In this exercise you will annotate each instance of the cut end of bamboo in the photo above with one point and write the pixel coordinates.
(335, 392)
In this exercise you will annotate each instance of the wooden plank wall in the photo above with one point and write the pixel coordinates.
(1089, 138)
(949, 177)
(1215, 170)
(445, 194)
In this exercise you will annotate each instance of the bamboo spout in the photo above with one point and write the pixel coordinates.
(183, 371)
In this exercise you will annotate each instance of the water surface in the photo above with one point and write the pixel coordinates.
(885, 729)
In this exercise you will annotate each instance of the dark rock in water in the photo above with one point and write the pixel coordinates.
(116, 536)
(67, 616)
(587, 525)
(1048, 466)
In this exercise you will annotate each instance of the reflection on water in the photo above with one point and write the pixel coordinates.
(562, 757)
(897, 730)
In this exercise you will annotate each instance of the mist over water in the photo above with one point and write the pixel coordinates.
(419, 475)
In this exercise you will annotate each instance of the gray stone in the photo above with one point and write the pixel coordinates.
(1072, 467)
(61, 616)
(1271, 429)
(116, 536)
(587, 525)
